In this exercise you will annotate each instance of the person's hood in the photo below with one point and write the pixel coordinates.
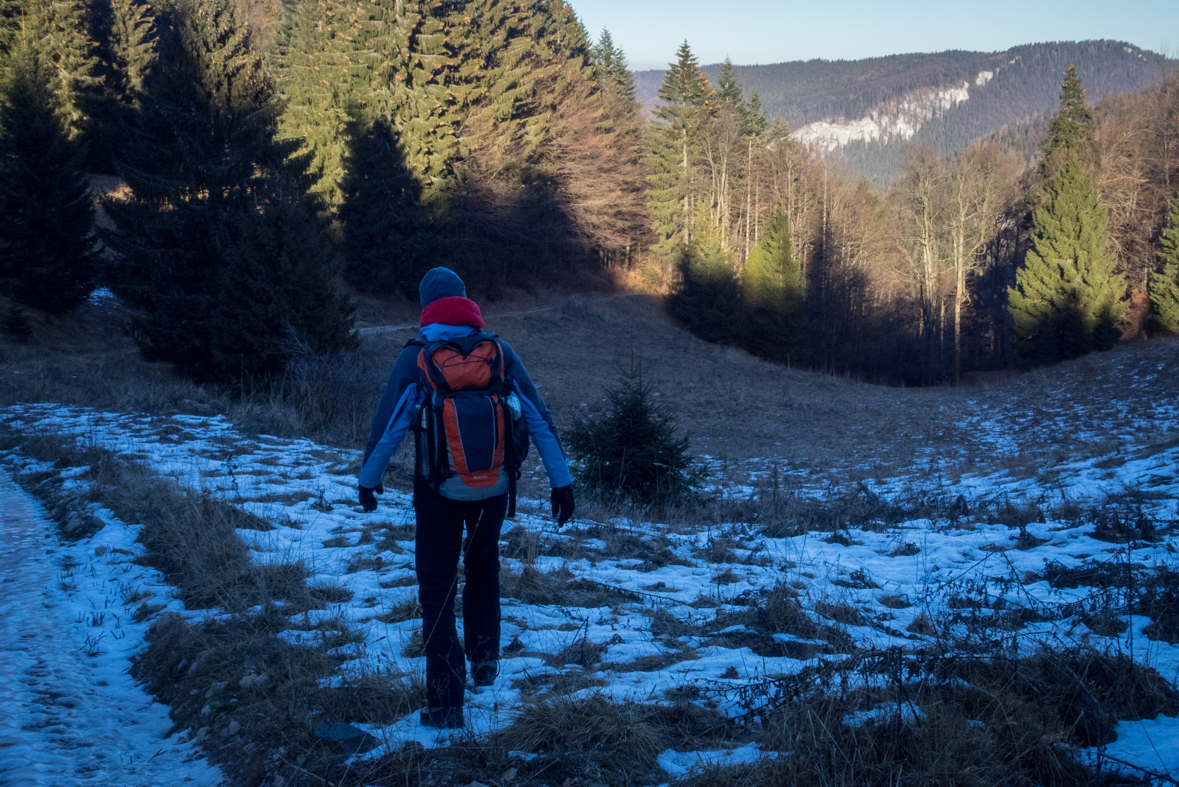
(438, 332)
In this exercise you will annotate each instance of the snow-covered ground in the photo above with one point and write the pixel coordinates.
(69, 713)
(887, 577)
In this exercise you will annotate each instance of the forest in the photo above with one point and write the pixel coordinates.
(273, 161)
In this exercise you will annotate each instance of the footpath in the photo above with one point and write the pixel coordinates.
(70, 714)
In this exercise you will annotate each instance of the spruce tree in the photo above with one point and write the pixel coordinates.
(707, 298)
(64, 32)
(13, 14)
(757, 123)
(388, 58)
(1072, 129)
(1069, 134)
(613, 72)
(688, 104)
(772, 287)
(389, 240)
(128, 54)
(632, 449)
(46, 259)
(1164, 286)
(275, 294)
(728, 85)
(1067, 299)
(131, 45)
(218, 248)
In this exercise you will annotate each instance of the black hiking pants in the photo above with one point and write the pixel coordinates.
(440, 544)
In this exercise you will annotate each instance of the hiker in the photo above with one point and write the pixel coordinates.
(455, 375)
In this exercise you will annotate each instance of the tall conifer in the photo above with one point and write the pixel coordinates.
(772, 285)
(131, 45)
(46, 260)
(219, 248)
(387, 58)
(1066, 299)
(1072, 129)
(728, 85)
(613, 72)
(688, 104)
(1069, 134)
(64, 32)
(12, 14)
(1164, 286)
(389, 239)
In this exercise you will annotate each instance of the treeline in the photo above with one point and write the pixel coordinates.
(974, 261)
(1023, 81)
(271, 155)
(269, 168)
(1023, 88)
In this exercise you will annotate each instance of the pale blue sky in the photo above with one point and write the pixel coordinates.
(769, 31)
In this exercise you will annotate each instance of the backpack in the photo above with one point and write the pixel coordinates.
(469, 426)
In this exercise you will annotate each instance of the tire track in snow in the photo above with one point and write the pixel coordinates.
(69, 712)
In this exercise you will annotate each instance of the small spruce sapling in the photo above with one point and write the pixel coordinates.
(632, 449)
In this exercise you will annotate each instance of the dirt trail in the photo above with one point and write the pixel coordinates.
(69, 714)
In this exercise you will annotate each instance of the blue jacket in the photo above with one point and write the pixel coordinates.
(406, 390)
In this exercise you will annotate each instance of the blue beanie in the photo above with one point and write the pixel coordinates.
(440, 283)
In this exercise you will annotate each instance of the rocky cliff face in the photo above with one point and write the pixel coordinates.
(893, 120)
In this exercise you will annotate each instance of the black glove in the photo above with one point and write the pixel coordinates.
(366, 496)
(563, 504)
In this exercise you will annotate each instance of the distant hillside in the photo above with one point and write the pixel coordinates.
(868, 109)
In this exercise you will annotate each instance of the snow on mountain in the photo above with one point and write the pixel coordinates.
(896, 120)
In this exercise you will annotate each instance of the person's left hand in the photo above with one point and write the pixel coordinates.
(563, 505)
(366, 497)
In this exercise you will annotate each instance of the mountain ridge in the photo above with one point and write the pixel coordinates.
(865, 110)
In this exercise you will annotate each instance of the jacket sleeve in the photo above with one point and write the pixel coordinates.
(539, 420)
(394, 417)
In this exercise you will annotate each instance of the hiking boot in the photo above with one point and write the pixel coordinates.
(484, 674)
(442, 718)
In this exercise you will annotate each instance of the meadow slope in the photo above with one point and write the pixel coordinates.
(847, 525)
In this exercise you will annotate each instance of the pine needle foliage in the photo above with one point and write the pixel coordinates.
(388, 58)
(1067, 299)
(772, 287)
(632, 450)
(64, 32)
(613, 72)
(688, 103)
(1164, 286)
(707, 298)
(389, 240)
(219, 249)
(46, 259)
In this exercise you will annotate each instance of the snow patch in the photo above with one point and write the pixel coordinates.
(901, 122)
(676, 763)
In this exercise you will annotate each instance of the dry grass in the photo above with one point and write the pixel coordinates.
(191, 538)
(585, 724)
(945, 719)
(559, 586)
(807, 420)
(585, 740)
(249, 696)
